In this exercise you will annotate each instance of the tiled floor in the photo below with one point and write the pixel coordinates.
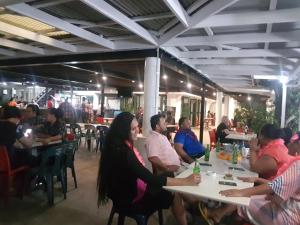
(79, 208)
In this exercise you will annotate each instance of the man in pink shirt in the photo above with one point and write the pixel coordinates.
(160, 152)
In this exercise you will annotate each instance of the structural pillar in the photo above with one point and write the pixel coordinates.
(202, 108)
(151, 91)
(102, 100)
(219, 108)
(283, 105)
(226, 105)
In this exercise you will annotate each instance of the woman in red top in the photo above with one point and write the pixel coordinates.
(268, 153)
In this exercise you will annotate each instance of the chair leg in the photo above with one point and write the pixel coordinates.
(74, 175)
(121, 219)
(7, 185)
(50, 187)
(63, 182)
(111, 216)
(160, 217)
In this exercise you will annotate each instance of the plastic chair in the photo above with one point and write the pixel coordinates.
(53, 163)
(212, 137)
(76, 130)
(7, 174)
(101, 134)
(89, 135)
(71, 148)
(141, 219)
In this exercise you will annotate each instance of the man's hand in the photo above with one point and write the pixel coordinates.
(232, 193)
(192, 180)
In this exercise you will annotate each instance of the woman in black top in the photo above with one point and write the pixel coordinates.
(122, 176)
(223, 130)
(54, 128)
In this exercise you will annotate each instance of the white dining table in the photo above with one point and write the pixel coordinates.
(209, 186)
(240, 136)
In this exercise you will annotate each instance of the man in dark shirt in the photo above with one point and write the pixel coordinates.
(31, 118)
(9, 134)
(223, 130)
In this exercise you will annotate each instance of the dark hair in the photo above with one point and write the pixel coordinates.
(117, 134)
(154, 120)
(58, 113)
(49, 98)
(287, 134)
(181, 121)
(270, 131)
(11, 112)
(34, 108)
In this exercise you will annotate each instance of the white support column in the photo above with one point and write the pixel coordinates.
(283, 105)
(299, 118)
(151, 91)
(226, 105)
(219, 108)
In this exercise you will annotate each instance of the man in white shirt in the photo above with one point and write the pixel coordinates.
(160, 152)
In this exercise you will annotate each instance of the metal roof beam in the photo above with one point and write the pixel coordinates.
(205, 12)
(234, 61)
(106, 9)
(249, 18)
(21, 46)
(290, 36)
(179, 11)
(238, 67)
(37, 14)
(244, 53)
(7, 52)
(36, 37)
(48, 3)
(4, 3)
(273, 4)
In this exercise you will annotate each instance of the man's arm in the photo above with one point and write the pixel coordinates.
(160, 166)
(26, 142)
(180, 151)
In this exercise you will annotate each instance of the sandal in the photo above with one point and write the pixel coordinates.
(202, 215)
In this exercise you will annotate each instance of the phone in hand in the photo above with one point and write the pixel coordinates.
(227, 183)
(27, 132)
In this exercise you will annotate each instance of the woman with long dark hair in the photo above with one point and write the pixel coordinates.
(123, 178)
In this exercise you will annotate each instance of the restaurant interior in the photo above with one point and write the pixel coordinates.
(207, 91)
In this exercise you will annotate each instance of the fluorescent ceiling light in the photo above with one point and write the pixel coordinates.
(266, 77)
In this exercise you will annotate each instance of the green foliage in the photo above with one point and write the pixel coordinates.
(292, 108)
(254, 115)
(126, 105)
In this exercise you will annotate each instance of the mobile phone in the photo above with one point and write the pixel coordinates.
(236, 168)
(205, 164)
(27, 132)
(227, 183)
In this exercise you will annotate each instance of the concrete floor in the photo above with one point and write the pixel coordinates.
(79, 208)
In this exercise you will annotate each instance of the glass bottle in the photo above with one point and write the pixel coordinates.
(196, 169)
(234, 154)
(207, 153)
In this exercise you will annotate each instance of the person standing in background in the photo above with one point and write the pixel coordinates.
(90, 112)
(49, 103)
(84, 111)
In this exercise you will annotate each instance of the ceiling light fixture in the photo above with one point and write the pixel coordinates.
(181, 81)
(98, 85)
(141, 85)
(104, 78)
(249, 98)
(189, 85)
(165, 77)
(133, 81)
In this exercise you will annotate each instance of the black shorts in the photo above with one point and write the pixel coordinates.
(152, 202)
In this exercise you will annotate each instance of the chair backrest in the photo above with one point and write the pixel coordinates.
(4, 160)
(53, 159)
(71, 148)
(212, 136)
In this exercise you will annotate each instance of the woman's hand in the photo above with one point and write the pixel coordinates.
(254, 145)
(248, 179)
(232, 193)
(192, 180)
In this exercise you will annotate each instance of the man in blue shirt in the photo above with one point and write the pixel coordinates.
(186, 142)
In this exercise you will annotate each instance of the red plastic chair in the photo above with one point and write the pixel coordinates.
(212, 137)
(7, 174)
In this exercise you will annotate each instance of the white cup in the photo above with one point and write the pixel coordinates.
(245, 152)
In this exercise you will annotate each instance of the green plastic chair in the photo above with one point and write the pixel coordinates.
(53, 163)
(71, 148)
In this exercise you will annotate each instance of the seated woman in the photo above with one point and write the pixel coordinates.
(53, 129)
(274, 202)
(268, 153)
(123, 178)
(223, 130)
